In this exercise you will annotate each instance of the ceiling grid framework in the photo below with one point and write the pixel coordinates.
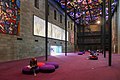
(87, 11)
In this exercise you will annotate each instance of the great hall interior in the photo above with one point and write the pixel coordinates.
(71, 39)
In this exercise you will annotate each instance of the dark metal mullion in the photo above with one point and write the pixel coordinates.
(84, 36)
(65, 27)
(110, 32)
(79, 33)
(89, 9)
(74, 29)
(104, 28)
(46, 29)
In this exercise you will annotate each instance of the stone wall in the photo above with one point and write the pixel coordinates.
(114, 33)
(26, 45)
(118, 26)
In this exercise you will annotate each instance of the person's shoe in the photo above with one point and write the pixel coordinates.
(34, 74)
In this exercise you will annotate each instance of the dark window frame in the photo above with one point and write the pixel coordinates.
(36, 4)
(68, 24)
(71, 26)
(60, 18)
(55, 14)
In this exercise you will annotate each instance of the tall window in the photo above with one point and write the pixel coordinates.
(37, 4)
(60, 18)
(55, 16)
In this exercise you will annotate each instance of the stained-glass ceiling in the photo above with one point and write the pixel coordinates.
(87, 11)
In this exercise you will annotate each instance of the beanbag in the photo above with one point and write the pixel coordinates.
(53, 63)
(47, 68)
(27, 70)
(80, 53)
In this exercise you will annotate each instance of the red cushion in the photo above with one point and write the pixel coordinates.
(40, 64)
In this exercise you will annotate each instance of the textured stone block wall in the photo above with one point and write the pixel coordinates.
(114, 33)
(15, 47)
(118, 27)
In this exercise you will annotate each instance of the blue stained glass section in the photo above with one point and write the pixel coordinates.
(18, 3)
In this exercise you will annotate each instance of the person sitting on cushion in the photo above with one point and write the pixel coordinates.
(91, 52)
(33, 65)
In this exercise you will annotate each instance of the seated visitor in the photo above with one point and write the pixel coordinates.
(91, 52)
(33, 65)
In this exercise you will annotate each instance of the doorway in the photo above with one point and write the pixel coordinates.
(55, 50)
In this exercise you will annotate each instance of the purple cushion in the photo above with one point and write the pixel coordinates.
(80, 53)
(27, 70)
(52, 63)
(47, 68)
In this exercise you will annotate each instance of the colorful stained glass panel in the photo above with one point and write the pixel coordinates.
(10, 16)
